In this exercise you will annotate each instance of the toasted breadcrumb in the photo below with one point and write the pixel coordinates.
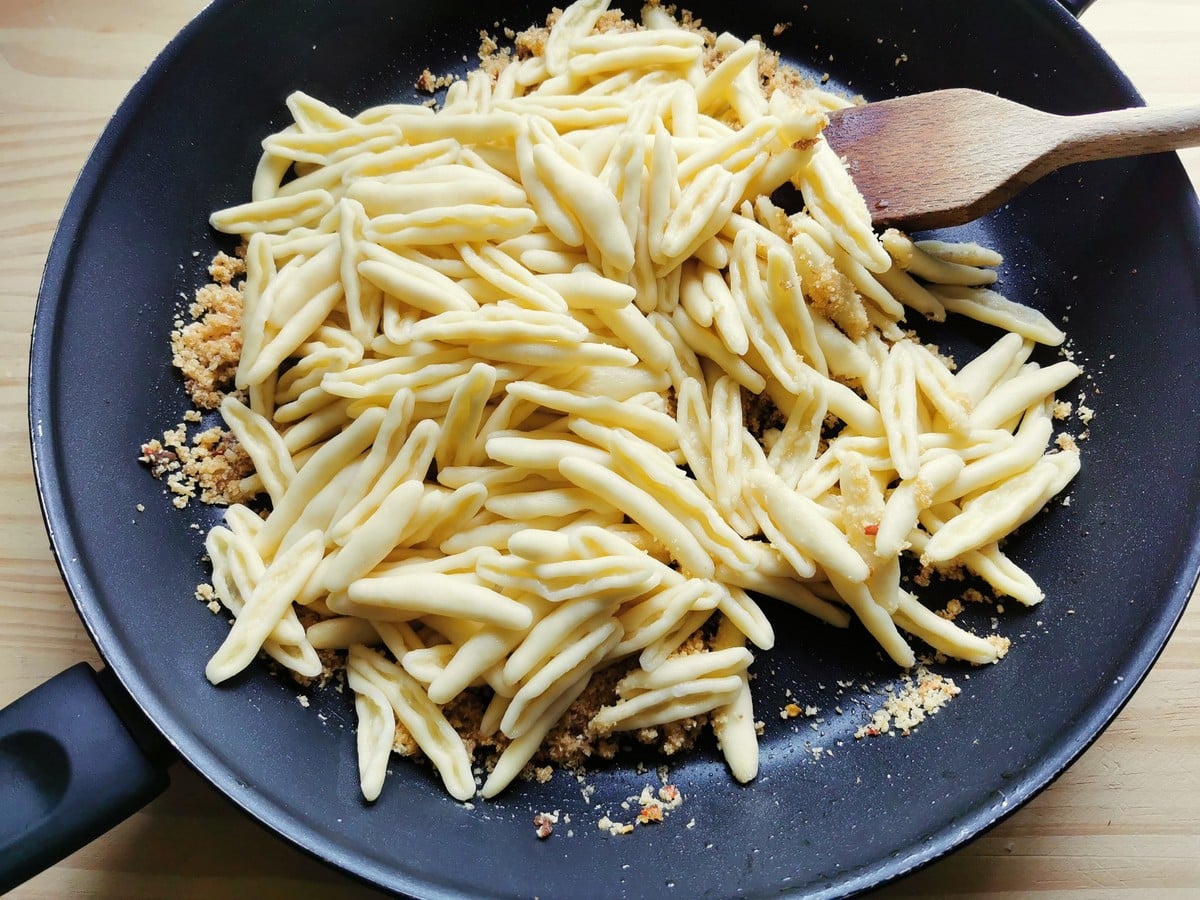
(493, 58)
(833, 295)
(918, 696)
(224, 268)
(430, 83)
(207, 350)
(614, 827)
(953, 608)
(207, 595)
(1001, 644)
(1066, 443)
(212, 464)
(544, 824)
(650, 814)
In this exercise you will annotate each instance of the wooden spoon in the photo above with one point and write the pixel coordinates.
(946, 157)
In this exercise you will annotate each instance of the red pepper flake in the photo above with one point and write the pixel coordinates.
(872, 529)
(650, 814)
(668, 793)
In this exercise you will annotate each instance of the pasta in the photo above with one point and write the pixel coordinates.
(543, 382)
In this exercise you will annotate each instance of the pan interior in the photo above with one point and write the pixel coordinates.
(1111, 249)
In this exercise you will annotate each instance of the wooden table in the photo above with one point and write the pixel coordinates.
(1125, 818)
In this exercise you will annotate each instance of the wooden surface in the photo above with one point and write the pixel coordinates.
(1123, 820)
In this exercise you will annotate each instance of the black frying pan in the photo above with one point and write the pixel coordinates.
(1117, 244)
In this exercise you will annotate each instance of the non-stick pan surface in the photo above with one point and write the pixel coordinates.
(1113, 248)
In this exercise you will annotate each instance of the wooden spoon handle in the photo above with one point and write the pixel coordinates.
(1127, 132)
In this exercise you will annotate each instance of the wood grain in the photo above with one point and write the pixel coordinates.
(948, 157)
(1123, 821)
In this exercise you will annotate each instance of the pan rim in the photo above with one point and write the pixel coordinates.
(46, 451)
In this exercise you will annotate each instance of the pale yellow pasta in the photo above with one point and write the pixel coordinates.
(437, 594)
(995, 309)
(833, 201)
(541, 689)
(1033, 385)
(999, 511)
(271, 459)
(371, 542)
(273, 215)
(237, 570)
(677, 701)
(520, 750)
(1000, 572)
(913, 258)
(409, 463)
(734, 722)
(269, 601)
(655, 473)
(898, 408)
(341, 632)
(642, 508)
(375, 734)
(800, 521)
(612, 584)
(904, 506)
(981, 374)
(632, 328)
(550, 632)
(422, 718)
(942, 634)
(1021, 454)
(966, 253)
(543, 381)
(470, 661)
(661, 613)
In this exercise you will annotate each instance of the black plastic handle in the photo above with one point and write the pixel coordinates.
(1076, 7)
(71, 768)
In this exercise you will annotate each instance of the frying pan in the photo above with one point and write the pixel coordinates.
(1116, 246)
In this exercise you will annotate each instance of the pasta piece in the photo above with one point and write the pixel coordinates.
(277, 214)
(375, 733)
(995, 309)
(270, 600)
(942, 634)
(447, 595)
(734, 722)
(914, 259)
(642, 508)
(424, 721)
(801, 524)
(681, 700)
(908, 499)
(998, 512)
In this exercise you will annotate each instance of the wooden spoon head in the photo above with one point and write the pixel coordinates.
(933, 160)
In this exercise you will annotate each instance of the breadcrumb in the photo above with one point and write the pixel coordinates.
(544, 822)
(207, 350)
(430, 83)
(917, 698)
(212, 465)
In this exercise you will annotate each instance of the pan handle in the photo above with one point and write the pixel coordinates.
(1076, 7)
(76, 757)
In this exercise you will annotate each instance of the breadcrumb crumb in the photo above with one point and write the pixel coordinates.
(207, 350)
(917, 697)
